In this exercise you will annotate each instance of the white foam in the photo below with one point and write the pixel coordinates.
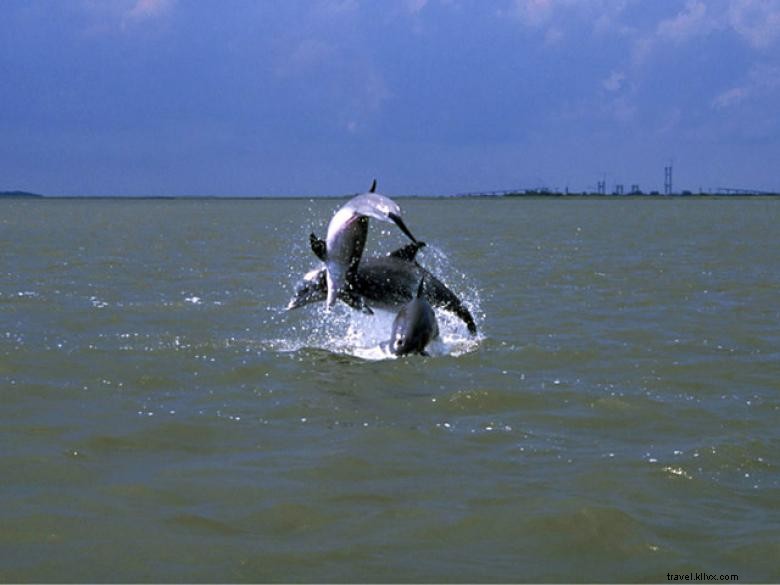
(349, 332)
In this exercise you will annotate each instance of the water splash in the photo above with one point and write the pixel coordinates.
(349, 332)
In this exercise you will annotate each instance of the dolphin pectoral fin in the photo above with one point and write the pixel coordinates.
(306, 296)
(312, 289)
(400, 223)
(318, 246)
(373, 187)
(407, 252)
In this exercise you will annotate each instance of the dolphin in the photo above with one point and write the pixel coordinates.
(387, 282)
(346, 238)
(414, 326)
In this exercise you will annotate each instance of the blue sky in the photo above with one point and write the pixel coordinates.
(206, 97)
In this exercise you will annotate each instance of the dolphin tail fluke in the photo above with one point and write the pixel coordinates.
(466, 317)
(440, 296)
(373, 187)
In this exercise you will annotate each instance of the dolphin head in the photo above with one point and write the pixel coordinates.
(379, 207)
(414, 326)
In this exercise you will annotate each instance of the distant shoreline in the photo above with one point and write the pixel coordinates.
(19, 195)
(487, 195)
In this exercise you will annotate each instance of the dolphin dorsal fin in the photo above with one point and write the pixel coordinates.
(373, 187)
(407, 252)
(420, 288)
(318, 246)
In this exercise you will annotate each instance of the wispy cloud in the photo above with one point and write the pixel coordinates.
(690, 22)
(761, 81)
(693, 21)
(534, 13)
(415, 6)
(351, 85)
(757, 21)
(601, 16)
(146, 9)
(730, 97)
(110, 16)
(615, 81)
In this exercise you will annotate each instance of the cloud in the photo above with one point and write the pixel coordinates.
(350, 86)
(693, 21)
(107, 17)
(730, 97)
(555, 18)
(415, 6)
(147, 9)
(761, 81)
(615, 81)
(757, 21)
(607, 20)
(534, 13)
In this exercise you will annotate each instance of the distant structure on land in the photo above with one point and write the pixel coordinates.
(668, 180)
(619, 189)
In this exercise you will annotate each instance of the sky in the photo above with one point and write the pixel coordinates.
(431, 97)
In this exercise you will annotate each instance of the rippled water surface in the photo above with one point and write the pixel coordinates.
(165, 419)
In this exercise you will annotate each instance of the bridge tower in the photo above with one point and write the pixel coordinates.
(668, 179)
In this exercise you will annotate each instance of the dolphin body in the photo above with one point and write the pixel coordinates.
(387, 282)
(414, 327)
(346, 239)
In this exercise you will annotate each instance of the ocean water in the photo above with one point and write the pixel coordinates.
(165, 419)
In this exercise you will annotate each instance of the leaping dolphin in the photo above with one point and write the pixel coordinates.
(346, 239)
(387, 282)
(414, 327)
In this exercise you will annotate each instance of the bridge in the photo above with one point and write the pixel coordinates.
(733, 191)
(504, 192)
